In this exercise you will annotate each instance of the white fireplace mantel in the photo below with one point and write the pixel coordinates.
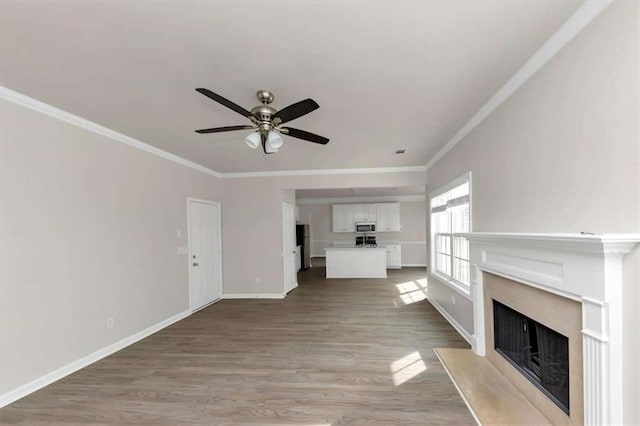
(582, 267)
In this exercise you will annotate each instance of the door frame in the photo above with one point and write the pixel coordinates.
(189, 251)
(284, 254)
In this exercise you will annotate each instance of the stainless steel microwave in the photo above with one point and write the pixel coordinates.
(365, 227)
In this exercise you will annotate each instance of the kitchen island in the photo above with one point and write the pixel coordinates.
(356, 262)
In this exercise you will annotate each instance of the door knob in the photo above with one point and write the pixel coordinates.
(195, 264)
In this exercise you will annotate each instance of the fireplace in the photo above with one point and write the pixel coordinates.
(532, 314)
(569, 283)
(539, 353)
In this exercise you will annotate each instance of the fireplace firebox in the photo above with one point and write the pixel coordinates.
(538, 352)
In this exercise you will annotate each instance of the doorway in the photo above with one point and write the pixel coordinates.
(205, 252)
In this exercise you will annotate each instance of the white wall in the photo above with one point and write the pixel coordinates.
(252, 231)
(411, 235)
(563, 155)
(89, 231)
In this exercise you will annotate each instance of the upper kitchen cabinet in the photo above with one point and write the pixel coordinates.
(359, 212)
(388, 217)
(350, 218)
(363, 212)
(339, 217)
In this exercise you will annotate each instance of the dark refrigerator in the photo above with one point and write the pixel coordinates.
(303, 240)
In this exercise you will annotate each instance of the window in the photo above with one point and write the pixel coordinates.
(450, 214)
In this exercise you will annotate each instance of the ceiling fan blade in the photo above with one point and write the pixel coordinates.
(296, 110)
(307, 136)
(224, 129)
(226, 102)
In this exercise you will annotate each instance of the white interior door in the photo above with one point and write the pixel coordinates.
(205, 253)
(289, 247)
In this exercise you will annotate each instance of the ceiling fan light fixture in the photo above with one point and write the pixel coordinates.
(253, 140)
(274, 142)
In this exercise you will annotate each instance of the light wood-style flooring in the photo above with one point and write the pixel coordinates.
(334, 352)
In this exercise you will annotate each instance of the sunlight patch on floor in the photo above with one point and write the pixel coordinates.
(413, 297)
(412, 291)
(407, 286)
(407, 367)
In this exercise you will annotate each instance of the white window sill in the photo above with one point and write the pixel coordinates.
(458, 287)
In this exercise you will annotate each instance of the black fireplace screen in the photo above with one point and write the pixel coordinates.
(539, 353)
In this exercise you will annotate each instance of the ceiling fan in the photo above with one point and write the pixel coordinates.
(266, 121)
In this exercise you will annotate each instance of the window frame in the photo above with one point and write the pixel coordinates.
(458, 286)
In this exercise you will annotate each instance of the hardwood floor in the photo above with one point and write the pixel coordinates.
(334, 352)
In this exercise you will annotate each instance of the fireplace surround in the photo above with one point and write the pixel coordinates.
(585, 270)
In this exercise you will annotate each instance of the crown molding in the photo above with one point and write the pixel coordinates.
(586, 13)
(36, 105)
(372, 199)
(316, 172)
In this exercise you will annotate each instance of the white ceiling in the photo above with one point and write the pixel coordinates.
(387, 75)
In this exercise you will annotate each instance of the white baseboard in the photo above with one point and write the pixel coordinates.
(414, 265)
(47, 379)
(455, 324)
(253, 296)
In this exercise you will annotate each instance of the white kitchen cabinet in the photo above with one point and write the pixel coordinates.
(394, 256)
(388, 217)
(359, 212)
(372, 213)
(343, 218)
(350, 218)
(363, 212)
(382, 218)
(339, 217)
(394, 216)
(297, 212)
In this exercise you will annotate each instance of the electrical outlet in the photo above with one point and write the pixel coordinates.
(453, 300)
(258, 280)
(110, 322)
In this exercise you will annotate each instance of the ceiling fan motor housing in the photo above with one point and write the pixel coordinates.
(263, 113)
